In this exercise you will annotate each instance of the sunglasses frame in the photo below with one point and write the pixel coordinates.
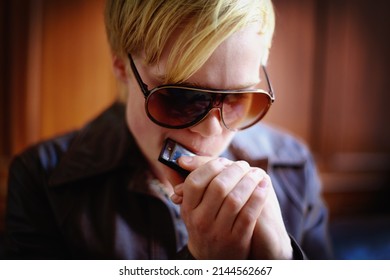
(146, 92)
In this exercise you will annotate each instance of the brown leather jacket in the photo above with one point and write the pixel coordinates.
(85, 195)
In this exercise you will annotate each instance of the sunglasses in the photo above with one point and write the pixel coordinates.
(178, 106)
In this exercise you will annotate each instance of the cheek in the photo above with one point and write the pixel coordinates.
(137, 119)
(136, 116)
(147, 135)
(224, 141)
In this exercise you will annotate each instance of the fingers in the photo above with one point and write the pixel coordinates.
(221, 204)
(198, 181)
(270, 238)
(242, 206)
(192, 162)
(177, 196)
(217, 182)
(250, 212)
(220, 187)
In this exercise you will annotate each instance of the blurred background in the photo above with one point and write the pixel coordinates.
(329, 67)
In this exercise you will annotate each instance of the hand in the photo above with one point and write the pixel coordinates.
(270, 238)
(221, 202)
(228, 206)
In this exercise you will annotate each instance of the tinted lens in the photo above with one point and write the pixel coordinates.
(244, 109)
(177, 107)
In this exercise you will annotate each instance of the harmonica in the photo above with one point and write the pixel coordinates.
(169, 154)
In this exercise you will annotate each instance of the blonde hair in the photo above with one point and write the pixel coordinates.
(145, 26)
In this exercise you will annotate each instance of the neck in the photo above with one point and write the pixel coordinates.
(167, 176)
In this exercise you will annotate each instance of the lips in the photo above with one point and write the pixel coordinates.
(200, 148)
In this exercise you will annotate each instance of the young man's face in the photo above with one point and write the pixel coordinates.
(235, 64)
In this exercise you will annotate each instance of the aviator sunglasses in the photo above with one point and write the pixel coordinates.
(179, 106)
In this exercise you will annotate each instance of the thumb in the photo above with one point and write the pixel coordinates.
(191, 163)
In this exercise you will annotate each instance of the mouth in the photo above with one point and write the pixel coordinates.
(198, 148)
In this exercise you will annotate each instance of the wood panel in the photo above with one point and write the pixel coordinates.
(14, 69)
(14, 16)
(3, 88)
(291, 66)
(355, 109)
(76, 72)
(354, 146)
(341, 49)
(14, 19)
(55, 72)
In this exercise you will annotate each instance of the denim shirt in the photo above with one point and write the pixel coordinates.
(89, 195)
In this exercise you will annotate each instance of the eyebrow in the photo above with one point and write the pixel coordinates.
(250, 84)
(197, 85)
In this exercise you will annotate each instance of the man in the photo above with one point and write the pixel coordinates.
(194, 72)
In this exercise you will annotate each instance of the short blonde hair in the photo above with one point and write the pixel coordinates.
(144, 26)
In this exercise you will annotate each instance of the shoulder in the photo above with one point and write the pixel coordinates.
(74, 151)
(276, 144)
(42, 157)
(286, 159)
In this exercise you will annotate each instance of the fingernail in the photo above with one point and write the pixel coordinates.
(263, 184)
(256, 172)
(224, 161)
(186, 159)
(178, 188)
(176, 199)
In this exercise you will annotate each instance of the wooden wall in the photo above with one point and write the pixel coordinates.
(329, 63)
(55, 72)
(328, 67)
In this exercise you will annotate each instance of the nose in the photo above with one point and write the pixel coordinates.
(211, 125)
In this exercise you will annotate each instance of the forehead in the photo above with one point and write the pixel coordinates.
(234, 64)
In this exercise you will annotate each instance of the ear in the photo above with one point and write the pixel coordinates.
(120, 69)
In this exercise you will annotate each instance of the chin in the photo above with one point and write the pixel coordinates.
(203, 146)
(211, 149)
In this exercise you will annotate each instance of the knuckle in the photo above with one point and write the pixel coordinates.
(234, 201)
(261, 192)
(258, 171)
(267, 178)
(243, 165)
(252, 178)
(200, 224)
(217, 165)
(191, 181)
(218, 186)
(248, 217)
